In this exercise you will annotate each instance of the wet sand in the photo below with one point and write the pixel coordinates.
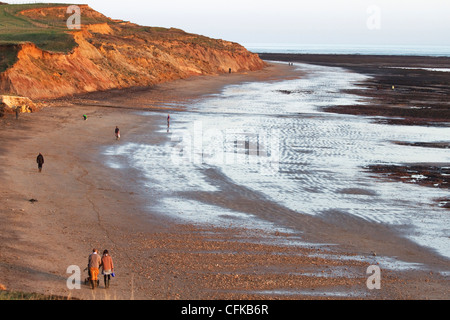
(403, 90)
(82, 204)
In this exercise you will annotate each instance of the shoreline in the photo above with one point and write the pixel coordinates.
(402, 88)
(82, 205)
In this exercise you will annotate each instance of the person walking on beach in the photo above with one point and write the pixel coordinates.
(40, 161)
(107, 267)
(94, 263)
(117, 133)
(17, 113)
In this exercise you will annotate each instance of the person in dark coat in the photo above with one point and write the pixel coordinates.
(117, 133)
(40, 161)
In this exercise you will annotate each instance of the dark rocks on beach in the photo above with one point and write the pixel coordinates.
(424, 175)
(444, 202)
(401, 89)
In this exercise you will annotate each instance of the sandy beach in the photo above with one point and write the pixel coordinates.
(82, 204)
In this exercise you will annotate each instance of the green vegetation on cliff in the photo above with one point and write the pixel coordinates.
(50, 35)
(42, 58)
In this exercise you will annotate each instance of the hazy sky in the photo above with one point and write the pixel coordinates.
(380, 22)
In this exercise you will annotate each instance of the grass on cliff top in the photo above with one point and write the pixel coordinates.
(50, 32)
(16, 29)
(50, 35)
(47, 33)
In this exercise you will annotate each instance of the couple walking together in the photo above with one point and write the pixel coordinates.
(95, 262)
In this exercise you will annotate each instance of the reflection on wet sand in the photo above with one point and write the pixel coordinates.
(319, 186)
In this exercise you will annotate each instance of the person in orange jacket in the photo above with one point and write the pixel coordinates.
(107, 267)
(94, 265)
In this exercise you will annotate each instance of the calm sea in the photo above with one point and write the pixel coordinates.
(437, 51)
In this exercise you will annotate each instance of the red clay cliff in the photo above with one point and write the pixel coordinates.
(115, 55)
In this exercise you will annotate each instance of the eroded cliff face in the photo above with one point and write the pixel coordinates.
(115, 54)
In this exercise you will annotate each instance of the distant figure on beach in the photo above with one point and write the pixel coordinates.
(107, 267)
(40, 161)
(84, 117)
(229, 70)
(117, 133)
(17, 112)
(94, 263)
(168, 120)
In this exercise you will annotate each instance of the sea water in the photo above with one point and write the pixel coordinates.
(271, 143)
(395, 50)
